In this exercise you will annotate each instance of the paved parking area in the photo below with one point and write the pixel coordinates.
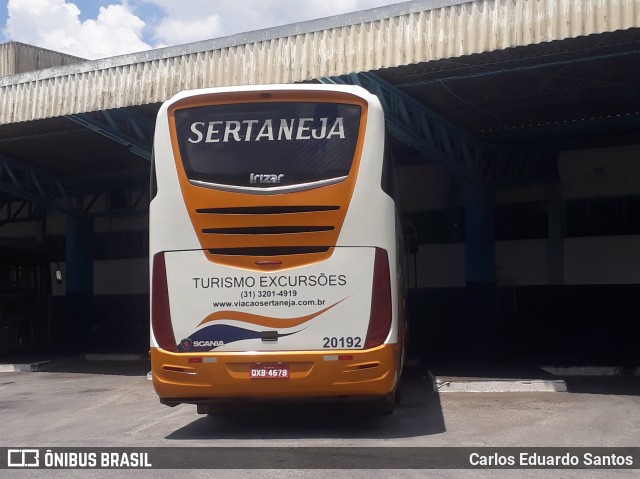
(80, 403)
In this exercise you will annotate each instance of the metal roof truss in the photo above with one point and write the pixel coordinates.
(12, 211)
(122, 126)
(33, 186)
(438, 139)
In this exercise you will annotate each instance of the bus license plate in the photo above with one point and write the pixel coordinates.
(269, 371)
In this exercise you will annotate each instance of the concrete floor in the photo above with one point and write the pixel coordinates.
(81, 403)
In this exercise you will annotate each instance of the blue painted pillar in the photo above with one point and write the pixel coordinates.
(79, 284)
(479, 235)
(480, 258)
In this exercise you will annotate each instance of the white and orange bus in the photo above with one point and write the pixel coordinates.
(275, 247)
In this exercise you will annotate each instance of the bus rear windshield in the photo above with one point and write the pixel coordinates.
(266, 145)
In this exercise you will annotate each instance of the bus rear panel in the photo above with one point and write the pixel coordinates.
(274, 254)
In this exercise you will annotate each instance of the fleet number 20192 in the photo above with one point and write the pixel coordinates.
(343, 342)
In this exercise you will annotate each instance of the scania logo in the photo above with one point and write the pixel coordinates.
(209, 344)
(185, 343)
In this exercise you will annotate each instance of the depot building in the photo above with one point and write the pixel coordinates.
(515, 128)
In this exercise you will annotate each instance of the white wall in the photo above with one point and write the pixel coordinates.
(600, 172)
(602, 260)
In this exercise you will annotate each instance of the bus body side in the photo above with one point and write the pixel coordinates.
(283, 292)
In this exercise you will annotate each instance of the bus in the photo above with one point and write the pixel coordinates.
(276, 256)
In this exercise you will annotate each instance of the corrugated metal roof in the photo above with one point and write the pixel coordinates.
(16, 57)
(408, 33)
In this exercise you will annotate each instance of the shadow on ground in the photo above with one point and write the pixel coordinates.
(618, 385)
(83, 366)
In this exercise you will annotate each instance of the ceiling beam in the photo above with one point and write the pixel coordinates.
(122, 126)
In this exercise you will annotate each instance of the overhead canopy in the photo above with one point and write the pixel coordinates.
(397, 35)
(559, 73)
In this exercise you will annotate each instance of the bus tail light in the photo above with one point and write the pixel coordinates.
(160, 314)
(380, 318)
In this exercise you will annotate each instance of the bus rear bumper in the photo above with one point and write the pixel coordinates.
(202, 377)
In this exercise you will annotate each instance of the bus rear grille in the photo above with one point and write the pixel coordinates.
(266, 230)
(270, 250)
(265, 210)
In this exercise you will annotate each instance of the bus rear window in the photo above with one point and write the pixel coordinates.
(267, 145)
